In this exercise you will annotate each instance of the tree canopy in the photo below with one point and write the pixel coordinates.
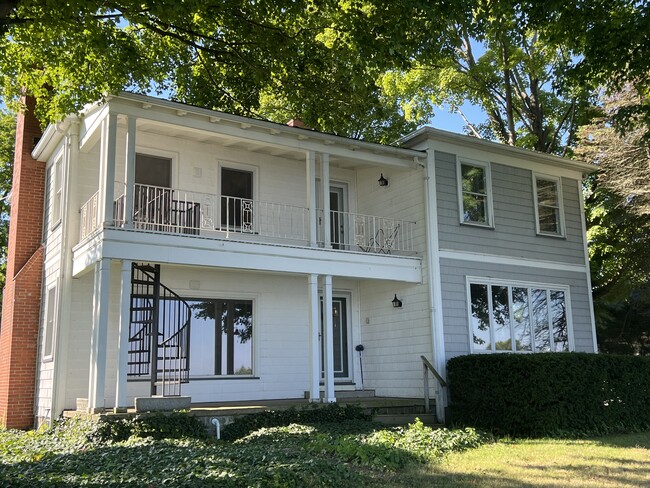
(374, 70)
(315, 60)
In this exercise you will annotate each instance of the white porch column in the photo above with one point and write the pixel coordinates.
(325, 180)
(123, 337)
(107, 169)
(314, 332)
(129, 172)
(328, 340)
(311, 198)
(97, 379)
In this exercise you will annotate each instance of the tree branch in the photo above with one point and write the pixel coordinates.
(470, 126)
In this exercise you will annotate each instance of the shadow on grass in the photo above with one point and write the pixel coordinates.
(423, 476)
(639, 440)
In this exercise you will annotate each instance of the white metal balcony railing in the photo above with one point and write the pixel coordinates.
(89, 216)
(195, 213)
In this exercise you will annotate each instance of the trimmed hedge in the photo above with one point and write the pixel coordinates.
(550, 394)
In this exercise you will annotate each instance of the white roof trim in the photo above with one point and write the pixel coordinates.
(463, 140)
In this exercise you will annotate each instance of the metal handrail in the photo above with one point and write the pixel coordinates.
(172, 210)
(429, 367)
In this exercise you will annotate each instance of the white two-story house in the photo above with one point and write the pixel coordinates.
(225, 258)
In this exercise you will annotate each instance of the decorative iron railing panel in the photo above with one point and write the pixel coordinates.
(169, 210)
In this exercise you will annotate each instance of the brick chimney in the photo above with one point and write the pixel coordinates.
(22, 293)
(297, 123)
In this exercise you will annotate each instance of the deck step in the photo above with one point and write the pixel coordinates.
(355, 394)
(428, 419)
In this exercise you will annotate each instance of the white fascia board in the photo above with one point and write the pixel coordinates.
(265, 132)
(197, 251)
(50, 140)
(514, 156)
(511, 261)
(90, 127)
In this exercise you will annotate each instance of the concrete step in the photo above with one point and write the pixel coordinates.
(355, 394)
(428, 419)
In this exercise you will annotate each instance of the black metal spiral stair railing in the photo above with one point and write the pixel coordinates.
(160, 322)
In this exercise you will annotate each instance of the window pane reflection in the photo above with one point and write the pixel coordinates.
(540, 321)
(221, 337)
(501, 317)
(558, 316)
(521, 319)
(480, 317)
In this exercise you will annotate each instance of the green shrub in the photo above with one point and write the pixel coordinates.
(176, 425)
(550, 394)
(386, 449)
(422, 443)
(333, 413)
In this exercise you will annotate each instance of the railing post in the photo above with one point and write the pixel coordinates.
(311, 197)
(427, 402)
(129, 185)
(327, 216)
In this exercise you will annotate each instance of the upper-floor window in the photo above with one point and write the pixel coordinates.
(50, 322)
(548, 205)
(56, 179)
(474, 189)
(519, 317)
(153, 170)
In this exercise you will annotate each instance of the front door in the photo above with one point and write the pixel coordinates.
(337, 220)
(152, 202)
(237, 200)
(338, 207)
(340, 339)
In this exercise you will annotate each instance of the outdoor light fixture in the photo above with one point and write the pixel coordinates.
(397, 303)
(382, 181)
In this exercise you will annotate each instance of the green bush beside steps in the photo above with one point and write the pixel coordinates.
(555, 394)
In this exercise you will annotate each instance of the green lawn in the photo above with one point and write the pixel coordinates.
(344, 454)
(602, 462)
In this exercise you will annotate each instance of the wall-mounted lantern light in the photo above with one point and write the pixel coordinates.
(382, 181)
(397, 303)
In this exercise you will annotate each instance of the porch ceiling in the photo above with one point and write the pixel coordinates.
(204, 137)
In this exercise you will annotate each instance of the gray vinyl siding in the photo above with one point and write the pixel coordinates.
(514, 233)
(454, 299)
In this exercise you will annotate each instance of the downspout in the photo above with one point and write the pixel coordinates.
(433, 276)
(65, 272)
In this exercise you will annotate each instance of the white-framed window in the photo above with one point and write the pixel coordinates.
(518, 317)
(50, 323)
(56, 181)
(221, 337)
(474, 192)
(549, 214)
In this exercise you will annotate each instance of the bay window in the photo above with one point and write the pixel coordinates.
(517, 317)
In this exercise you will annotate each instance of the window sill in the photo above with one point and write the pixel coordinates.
(548, 234)
(55, 225)
(233, 377)
(477, 224)
(201, 378)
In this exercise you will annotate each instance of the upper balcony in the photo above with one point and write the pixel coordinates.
(203, 188)
(172, 211)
